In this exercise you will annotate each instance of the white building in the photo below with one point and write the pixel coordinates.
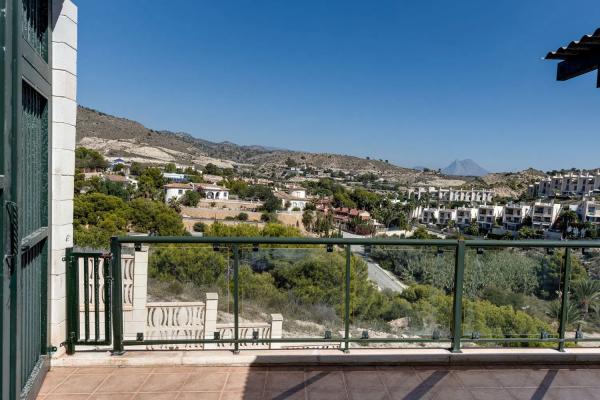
(430, 216)
(177, 190)
(589, 211)
(294, 199)
(446, 216)
(465, 215)
(214, 192)
(450, 195)
(543, 215)
(487, 215)
(513, 216)
(572, 184)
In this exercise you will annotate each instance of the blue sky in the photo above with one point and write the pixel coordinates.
(418, 83)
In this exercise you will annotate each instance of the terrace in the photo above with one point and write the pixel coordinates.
(134, 331)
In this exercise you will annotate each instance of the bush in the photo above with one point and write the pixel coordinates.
(199, 227)
(242, 216)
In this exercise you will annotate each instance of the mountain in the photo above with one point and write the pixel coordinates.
(121, 137)
(466, 167)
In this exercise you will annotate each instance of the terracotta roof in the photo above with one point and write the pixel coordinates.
(178, 186)
(116, 178)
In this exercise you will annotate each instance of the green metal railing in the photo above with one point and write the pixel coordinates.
(91, 273)
(456, 337)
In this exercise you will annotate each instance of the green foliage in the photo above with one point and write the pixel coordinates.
(242, 216)
(156, 218)
(199, 265)
(89, 159)
(150, 184)
(212, 169)
(191, 198)
(97, 217)
(199, 227)
(170, 167)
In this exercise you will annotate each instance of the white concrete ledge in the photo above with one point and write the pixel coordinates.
(330, 357)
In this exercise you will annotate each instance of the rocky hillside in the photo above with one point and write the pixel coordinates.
(508, 184)
(122, 137)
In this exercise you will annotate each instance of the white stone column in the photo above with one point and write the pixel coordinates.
(210, 319)
(62, 158)
(134, 319)
(276, 329)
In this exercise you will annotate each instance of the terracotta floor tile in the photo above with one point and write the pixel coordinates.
(122, 383)
(319, 395)
(156, 396)
(284, 395)
(574, 377)
(412, 393)
(438, 378)
(246, 381)
(112, 396)
(80, 383)
(242, 395)
(65, 396)
(164, 383)
(373, 394)
(478, 378)
(453, 393)
(277, 380)
(174, 370)
(363, 381)
(490, 394)
(199, 396)
(402, 378)
(52, 380)
(94, 370)
(205, 382)
(325, 381)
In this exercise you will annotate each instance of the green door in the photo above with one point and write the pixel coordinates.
(25, 125)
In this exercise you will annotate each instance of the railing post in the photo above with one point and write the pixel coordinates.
(347, 302)
(72, 301)
(117, 297)
(236, 294)
(564, 306)
(459, 273)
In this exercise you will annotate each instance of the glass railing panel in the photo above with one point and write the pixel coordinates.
(176, 292)
(511, 294)
(294, 293)
(583, 315)
(404, 296)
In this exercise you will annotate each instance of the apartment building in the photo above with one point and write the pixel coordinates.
(582, 184)
(589, 211)
(446, 216)
(543, 215)
(465, 215)
(430, 216)
(449, 195)
(513, 216)
(487, 214)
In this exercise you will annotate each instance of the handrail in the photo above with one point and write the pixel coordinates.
(456, 337)
(357, 241)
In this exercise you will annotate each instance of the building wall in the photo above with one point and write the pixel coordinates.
(62, 157)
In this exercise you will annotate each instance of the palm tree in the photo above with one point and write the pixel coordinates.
(587, 295)
(573, 313)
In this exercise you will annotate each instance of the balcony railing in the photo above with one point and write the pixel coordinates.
(265, 293)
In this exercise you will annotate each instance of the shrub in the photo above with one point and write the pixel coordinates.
(199, 227)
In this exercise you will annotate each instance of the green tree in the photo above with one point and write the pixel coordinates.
(586, 293)
(150, 184)
(156, 218)
(191, 198)
(89, 159)
(170, 167)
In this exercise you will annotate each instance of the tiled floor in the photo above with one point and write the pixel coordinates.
(326, 383)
